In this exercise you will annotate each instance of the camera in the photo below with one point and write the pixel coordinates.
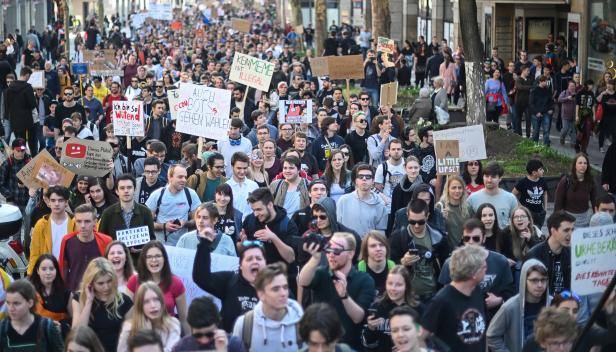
(312, 236)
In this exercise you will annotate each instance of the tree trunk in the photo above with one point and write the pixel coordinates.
(368, 15)
(67, 46)
(381, 21)
(473, 58)
(101, 15)
(320, 25)
(296, 12)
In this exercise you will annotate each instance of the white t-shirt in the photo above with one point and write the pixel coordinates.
(172, 206)
(394, 174)
(57, 233)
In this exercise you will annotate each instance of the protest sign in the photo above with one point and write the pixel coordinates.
(175, 102)
(593, 258)
(299, 29)
(389, 93)
(134, 237)
(206, 113)
(345, 67)
(319, 66)
(447, 157)
(128, 118)
(162, 12)
(251, 71)
(471, 138)
(295, 111)
(138, 19)
(87, 157)
(25, 174)
(241, 25)
(385, 45)
(48, 172)
(102, 62)
(37, 79)
(79, 68)
(181, 261)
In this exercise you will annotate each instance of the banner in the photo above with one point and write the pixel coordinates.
(134, 237)
(385, 45)
(182, 260)
(37, 79)
(128, 118)
(295, 111)
(251, 71)
(138, 19)
(102, 62)
(447, 157)
(206, 113)
(87, 157)
(389, 93)
(241, 25)
(162, 12)
(471, 140)
(593, 258)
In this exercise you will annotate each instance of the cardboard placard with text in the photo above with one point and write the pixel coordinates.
(134, 236)
(27, 175)
(345, 67)
(251, 71)
(447, 157)
(471, 138)
(385, 45)
(241, 25)
(48, 172)
(319, 66)
(295, 111)
(593, 258)
(207, 112)
(128, 118)
(87, 157)
(175, 102)
(389, 93)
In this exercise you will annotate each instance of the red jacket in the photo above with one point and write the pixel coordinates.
(101, 239)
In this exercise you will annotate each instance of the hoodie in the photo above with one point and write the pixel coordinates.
(506, 330)
(270, 335)
(400, 198)
(373, 212)
(282, 226)
(18, 105)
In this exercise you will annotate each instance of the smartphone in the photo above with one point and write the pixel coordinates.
(177, 222)
(372, 311)
(414, 251)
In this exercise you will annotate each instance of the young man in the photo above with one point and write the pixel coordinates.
(390, 172)
(156, 123)
(205, 183)
(605, 204)
(316, 190)
(240, 185)
(275, 318)
(362, 210)
(513, 323)
(120, 161)
(291, 192)
(114, 95)
(19, 101)
(145, 341)
(457, 313)
(173, 206)
(286, 136)
(420, 248)
(531, 191)
(504, 202)
(338, 283)
(78, 248)
(50, 229)
(523, 86)
(149, 182)
(260, 119)
(236, 143)
(405, 329)
(309, 162)
(426, 155)
(555, 253)
(541, 107)
(10, 186)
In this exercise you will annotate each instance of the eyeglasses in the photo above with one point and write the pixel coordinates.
(155, 256)
(364, 177)
(345, 153)
(159, 86)
(335, 251)
(520, 217)
(417, 222)
(250, 244)
(364, 99)
(473, 163)
(469, 238)
(538, 281)
(570, 295)
(150, 172)
(320, 217)
(209, 334)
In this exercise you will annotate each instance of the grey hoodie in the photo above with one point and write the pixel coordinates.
(270, 335)
(506, 330)
(362, 215)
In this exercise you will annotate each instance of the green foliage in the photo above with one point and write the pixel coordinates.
(411, 92)
(529, 148)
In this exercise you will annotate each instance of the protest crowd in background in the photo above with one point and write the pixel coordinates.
(207, 182)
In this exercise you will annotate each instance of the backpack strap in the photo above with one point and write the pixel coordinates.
(160, 199)
(249, 319)
(277, 188)
(189, 199)
(385, 171)
(4, 327)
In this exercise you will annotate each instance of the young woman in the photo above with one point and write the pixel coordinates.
(272, 164)
(99, 196)
(23, 330)
(206, 216)
(53, 299)
(122, 263)
(448, 72)
(154, 266)
(99, 305)
(150, 314)
(520, 236)
(379, 139)
(472, 175)
(496, 96)
(402, 193)
(576, 193)
(409, 142)
(229, 219)
(420, 61)
(349, 159)
(374, 254)
(455, 209)
(256, 170)
(80, 192)
(397, 124)
(83, 339)
(398, 292)
(336, 176)
(486, 213)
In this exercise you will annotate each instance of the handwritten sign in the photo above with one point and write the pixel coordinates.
(251, 71)
(134, 237)
(37, 79)
(385, 45)
(319, 66)
(471, 139)
(206, 113)
(128, 118)
(447, 157)
(295, 111)
(48, 172)
(162, 12)
(79, 68)
(182, 261)
(593, 258)
(345, 67)
(87, 157)
(389, 93)
(175, 102)
(240, 25)
(102, 62)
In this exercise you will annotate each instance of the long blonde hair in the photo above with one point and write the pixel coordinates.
(140, 321)
(444, 201)
(97, 268)
(251, 169)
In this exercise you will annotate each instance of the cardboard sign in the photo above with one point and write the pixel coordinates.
(299, 29)
(295, 111)
(319, 66)
(134, 237)
(346, 67)
(385, 45)
(128, 118)
(37, 79)
(389, 93)
(447, 157)
(87, 157)
(471, 139)
(102, 62)
(251, 71)
(181, 261)
(241, 25)
(593, 258)
(206, 113)
(52, 172)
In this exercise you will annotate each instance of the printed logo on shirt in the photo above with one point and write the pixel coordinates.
(247, 303)
(472, 326)
(487, 282)
(535, 196)
(427, 163)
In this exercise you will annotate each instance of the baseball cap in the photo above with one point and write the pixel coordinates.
(19, 144)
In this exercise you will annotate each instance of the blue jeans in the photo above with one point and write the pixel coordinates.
(546, 121)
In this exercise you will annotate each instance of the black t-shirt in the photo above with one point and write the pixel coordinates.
(227, 226)
(358, 145)
(532, 193)
(28, 340)
(62, 112)
(457, 319)
(558, 275)
(531, 312)
(609, 110)
(379, 279)
(146, 190)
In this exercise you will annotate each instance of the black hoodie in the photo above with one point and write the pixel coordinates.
(18, 104)
(282, 226)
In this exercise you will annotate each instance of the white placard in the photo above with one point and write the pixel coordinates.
(128, 118)
(593, 258)
(37, 79)
(251, 71)
(206, 112)
(182, 260)
(471, 138)
(175, 103)
(160, 12)
(138, 19)
(134, 237)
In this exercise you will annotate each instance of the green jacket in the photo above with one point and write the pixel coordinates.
(199, 182)
(361, 266)
(112, 220)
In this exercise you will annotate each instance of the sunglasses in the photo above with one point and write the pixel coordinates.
(68, 94)
(469, 238)
(364, 98)
(417, 222)
(114, 145)
(159, 87)
(320, 217)
(335, 251)
(209, 334)
(473, 163)
(570, 295)
(345, 153)
(362, 121)
(250, 244)
(364, 177)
